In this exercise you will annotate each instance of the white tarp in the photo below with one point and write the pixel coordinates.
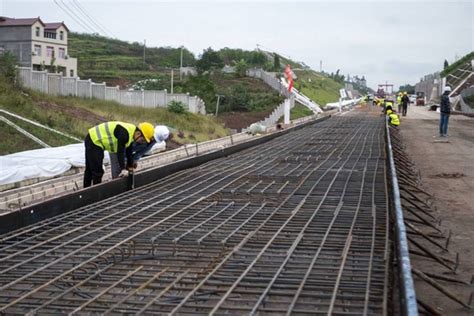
(38, 163)
(47, 162)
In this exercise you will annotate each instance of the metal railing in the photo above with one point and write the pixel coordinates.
(408, 304)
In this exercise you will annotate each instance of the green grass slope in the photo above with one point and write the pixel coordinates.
(76, 115)
(317, 86)
(101, 58)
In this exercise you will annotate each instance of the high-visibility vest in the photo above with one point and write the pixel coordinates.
(394, 120)
(103, 135)
(399, 99)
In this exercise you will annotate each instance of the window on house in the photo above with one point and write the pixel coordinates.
(50, 35)
(49, 51)
(61, 35)
(62, 53)
(37, 31)
(38, 50)
(71, 73)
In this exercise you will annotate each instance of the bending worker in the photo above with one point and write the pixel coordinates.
(115, 137)
(392, 117)
(162, 133)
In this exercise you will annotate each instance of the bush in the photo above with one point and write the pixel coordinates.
(176, 107)
(7, 66)
(241, 68)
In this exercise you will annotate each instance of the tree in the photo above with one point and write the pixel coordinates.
(241, 68)
(276, 62)
(408, 88)
(257, 59)
(7, 66)
(446, 64)
(210, 59)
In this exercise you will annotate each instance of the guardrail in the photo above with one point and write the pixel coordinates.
(408, 304)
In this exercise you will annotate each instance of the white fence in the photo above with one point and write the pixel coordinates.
(269, 79)
(56, 84)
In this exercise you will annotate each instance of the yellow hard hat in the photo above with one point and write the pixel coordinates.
(147, 130)
(399, 93)
(405, 93)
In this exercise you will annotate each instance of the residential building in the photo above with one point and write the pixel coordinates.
(42, 46)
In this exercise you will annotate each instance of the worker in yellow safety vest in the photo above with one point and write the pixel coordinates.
(114, 137)
(392, 117)
(399, 102)
(387, 103)
(380, 102)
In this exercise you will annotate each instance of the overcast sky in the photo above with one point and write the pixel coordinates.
(394, 41)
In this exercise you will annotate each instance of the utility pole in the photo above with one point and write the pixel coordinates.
(172, 72)
(181, 65)
(217, 105)
(144, 49)
(320, 66)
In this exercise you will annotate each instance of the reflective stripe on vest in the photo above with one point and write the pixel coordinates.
(103, 136)
(394, 120)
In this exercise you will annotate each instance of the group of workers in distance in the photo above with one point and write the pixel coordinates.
(126, 144)
(388, 109)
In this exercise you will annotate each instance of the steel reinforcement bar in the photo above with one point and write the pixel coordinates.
(296, 225)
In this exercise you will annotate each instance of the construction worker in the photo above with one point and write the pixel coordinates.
(392, 117)
(405, 102)
(115, 137)
(399, 102)
(380, 102)
(162, 133)
(387, 103)
(445, 112)
(388, 110)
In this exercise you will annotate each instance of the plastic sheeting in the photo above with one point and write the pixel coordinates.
(48, 162)
(39, 163)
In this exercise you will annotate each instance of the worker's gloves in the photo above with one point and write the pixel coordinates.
(123, 173)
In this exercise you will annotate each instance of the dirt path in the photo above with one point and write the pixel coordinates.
(447, 171)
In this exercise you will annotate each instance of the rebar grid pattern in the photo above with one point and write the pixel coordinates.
(297, 225)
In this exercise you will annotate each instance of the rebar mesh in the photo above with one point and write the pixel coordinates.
(298, 225)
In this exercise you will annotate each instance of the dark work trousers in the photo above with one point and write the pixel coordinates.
(94, 159)
(400, 108)
(405, 108)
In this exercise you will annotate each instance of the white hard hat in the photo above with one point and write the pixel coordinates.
(447, 88)
(161, 133)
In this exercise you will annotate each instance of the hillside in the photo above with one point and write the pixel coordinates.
(113, 61)
(121, 63)
(75, 116)
(317, 86)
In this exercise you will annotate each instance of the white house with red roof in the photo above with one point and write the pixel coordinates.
(42, 46)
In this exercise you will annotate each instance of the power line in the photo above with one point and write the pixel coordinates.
(83, 14)
(73, 16)
(80, 18)
(102, 25)
(83, 11)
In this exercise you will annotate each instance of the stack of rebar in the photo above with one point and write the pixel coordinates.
(298, 225)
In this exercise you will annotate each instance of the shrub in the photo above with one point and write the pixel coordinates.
(176, 107)
(241, 68)
(7, 66)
